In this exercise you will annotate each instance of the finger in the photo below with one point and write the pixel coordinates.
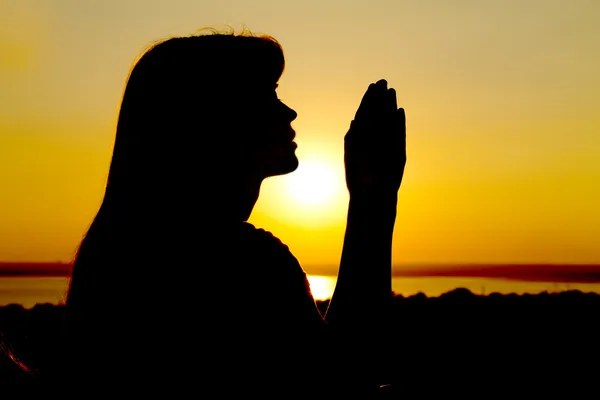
(378, 105)
(391, 99)
(401, 125)
(390, 105)
(380, 93)
(372, 101)
(402, 117)
(365, 104)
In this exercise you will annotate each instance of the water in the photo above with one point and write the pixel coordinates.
(322, 286)
(29, 291)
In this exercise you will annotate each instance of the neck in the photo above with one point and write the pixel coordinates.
(235, 200)
(248, 196)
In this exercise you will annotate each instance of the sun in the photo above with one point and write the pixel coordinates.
(314, 183)
(321, 287)
(313, 197)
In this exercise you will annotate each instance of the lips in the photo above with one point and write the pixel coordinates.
(283, 137)
(292, 133)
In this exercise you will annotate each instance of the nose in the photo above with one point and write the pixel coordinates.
(289, 113)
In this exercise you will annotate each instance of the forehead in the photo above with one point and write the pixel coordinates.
(257, 90)
(254, 78)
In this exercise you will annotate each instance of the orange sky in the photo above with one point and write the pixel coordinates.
(501, 100)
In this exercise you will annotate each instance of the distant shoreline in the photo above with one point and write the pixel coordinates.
(36, 269)
(558, 273)
(555, 273)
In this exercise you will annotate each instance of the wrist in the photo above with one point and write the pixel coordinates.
(375, 198)
(376, 208)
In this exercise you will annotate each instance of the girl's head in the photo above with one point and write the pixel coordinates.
(199, 114)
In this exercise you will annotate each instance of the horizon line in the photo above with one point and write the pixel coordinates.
(584, 273)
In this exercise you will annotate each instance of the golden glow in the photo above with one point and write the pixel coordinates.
(313, 185)
(321, 286)
(501, 102)
(312, 197)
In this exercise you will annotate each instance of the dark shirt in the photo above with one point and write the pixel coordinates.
(232, 314)
(277, 337)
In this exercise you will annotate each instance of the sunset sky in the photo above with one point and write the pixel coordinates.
(502, 101)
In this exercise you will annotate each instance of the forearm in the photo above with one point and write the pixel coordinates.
(363, 287)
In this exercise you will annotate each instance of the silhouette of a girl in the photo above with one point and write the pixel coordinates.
(172, 285)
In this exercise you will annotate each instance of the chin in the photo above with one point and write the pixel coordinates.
(290, 164)
(293, 164)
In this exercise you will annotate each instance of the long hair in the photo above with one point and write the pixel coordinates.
(182, 108)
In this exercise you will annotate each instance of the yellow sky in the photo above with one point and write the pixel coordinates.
(502, 100)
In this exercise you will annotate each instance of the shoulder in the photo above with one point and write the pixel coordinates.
(260, 237)
(281, 278)
(268, 252)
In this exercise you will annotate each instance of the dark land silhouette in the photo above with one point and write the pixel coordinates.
(455, 344)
